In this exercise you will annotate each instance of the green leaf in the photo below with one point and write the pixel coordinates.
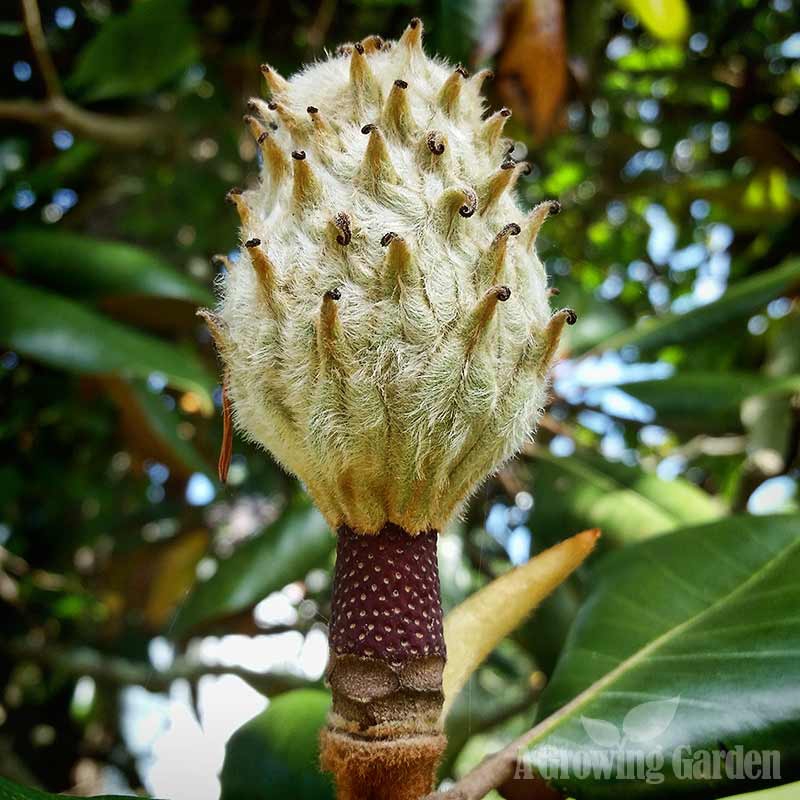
(90, 267)
(289, 548)
(13, 791)
(666, 19)
(136, 52)
(707, 400)
(65, 335)
(585, 490)
(276, 754)
(702, 623)
(790, 791)
(740, 300)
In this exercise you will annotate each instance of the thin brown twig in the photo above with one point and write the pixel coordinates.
(41, 52)
(56, 110)
(61, 112)
(123, 672)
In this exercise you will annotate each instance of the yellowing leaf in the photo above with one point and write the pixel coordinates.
(666, 19)
(174, 575)
(532, 66)
(474, 628)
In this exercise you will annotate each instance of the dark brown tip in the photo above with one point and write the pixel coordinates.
(572, 317)
(414, 22)
(272, 106)
(528, 167)
(247, 119)
(274, 125)
(264, 68)
(503, 293)
(489, 75)
(555, 208)
(509, 163)
(312, 110)
(512, 229)
(369, 128)
(462, 71)
(344, 49)
(342, 222)
(298, 155)
(435, 145)
(251, 106)
(387, 238)
(553, 291)
(359, 48)
(505, 112)
(401, 84)
(252, 243)
(262, 137)
(333, 294)
(232, 193)
(468, 209)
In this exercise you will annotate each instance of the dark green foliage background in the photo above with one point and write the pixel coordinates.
(108, 382)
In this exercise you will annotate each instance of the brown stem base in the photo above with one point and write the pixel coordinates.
(387, 655)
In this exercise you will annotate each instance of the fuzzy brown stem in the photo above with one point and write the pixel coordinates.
(387, 655)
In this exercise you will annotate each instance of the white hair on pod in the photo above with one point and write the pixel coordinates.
(386, 332)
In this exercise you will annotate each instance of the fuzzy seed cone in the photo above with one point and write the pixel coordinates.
(375, 367)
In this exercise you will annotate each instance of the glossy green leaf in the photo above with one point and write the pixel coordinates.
(665, 19)
(66, 335)
(14, 791)
(276, 754)
(288, 549)
(741, 299)
(707, 400)
(585, 490)
(136, 52)
(90, 267)
(688, 640)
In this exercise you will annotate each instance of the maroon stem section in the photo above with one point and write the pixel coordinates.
(386, 603)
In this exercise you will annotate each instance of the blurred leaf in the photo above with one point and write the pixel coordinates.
(741, 299)
(65, 335)
(706, 400)
(532, 66)
(769, 419)
(288, 549)
(173, 575)
(665, 19)
(665, 57)
(152, 428)
(475, 627)
(626, 503)
(85, 266)
(275, 756)
(51, 173)
(136, 52)
(13, 791)
(705, 619)
(459, 25)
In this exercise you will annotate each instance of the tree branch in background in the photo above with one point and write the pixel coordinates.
(117, 671)
(33, 25)
(56, 110)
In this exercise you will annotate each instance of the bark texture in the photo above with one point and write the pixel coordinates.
(387, 655)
